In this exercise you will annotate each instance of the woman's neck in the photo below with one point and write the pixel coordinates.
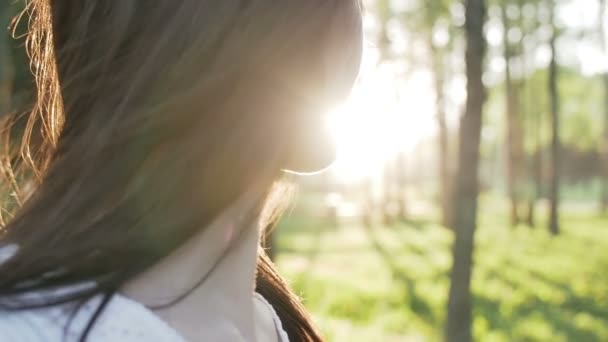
(221, 308)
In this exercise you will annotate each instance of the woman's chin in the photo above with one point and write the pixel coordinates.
(313, 157)
(309, 167)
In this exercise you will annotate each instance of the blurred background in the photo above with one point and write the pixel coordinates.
(370, 243)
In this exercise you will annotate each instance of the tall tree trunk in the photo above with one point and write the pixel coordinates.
(535, 162)
(459, 316)
(604, 148)
(442, 134)
(401, 186)
(7, 67)
(511, 120)
(536, 167)
(368, 202)
(555, 143)
(387, 198)
(528, 107)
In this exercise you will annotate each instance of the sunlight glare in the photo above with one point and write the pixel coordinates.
(381, 119)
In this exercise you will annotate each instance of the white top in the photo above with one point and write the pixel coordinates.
(123, 320)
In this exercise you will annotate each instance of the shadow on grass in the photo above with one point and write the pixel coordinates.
(574, 302)
(418, 305)
(559, 317)
(415, 223)
(405, 224)
(490, 310)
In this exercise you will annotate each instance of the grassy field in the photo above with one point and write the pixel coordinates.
(390, 283)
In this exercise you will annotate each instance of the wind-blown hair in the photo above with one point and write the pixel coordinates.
(151, 118)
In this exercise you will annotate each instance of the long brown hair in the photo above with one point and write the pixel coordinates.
(151, 118)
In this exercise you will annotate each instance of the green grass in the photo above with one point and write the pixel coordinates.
(391, 283)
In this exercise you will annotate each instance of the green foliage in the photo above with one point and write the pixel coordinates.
(390, 283)
(581, 111)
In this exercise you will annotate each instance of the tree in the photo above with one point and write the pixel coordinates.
(423, 18)
(444, 153)
(458, 326)
(514, 130)
(531, 109)
(535, 170)
(401, 185)
(387, 196)
(434, 10)
(524, 113)
(604, 144)
(555, 124)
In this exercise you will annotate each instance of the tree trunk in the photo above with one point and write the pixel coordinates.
(387, 198)
(529, 107)
(368, 205)
(442, 134)
(459, 320)
(604, 147)
(555, 143)
(536, 174)
(7, 67)
(537, 161)
(401, 186)
(511, 120)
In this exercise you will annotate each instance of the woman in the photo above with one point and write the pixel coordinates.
(160, 131)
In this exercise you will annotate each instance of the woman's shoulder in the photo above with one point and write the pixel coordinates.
(123, 320)
(269, 325)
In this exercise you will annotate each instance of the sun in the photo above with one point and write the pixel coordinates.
(382, 118)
